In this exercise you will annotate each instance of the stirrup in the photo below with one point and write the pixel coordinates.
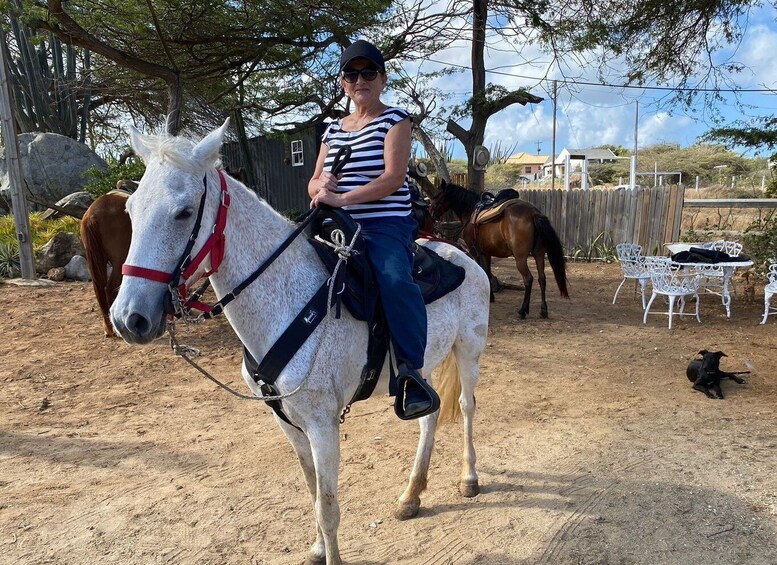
(410, 377)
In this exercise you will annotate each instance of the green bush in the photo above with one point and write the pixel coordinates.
(10, 264)
(103, 182)
(41, 231)
(760, 240)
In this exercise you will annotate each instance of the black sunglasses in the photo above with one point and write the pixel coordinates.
(367, 74)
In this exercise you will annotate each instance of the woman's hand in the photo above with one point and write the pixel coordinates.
(324, 188)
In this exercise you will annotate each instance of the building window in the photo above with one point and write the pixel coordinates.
(527, 169)
(297, 156)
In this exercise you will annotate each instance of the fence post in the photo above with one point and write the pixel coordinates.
(697, 183)
(584, 175)
(633, 172)
(763, 183)
(733, 182)
(566, 171)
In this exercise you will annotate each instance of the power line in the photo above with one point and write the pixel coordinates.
(606, 85)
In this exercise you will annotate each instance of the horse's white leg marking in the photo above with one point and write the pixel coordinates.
(410, 501)
(301, 445)
(325, 446)
(469, 371)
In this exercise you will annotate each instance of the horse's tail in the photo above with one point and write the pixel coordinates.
(555, 251)
(96, 260)
(449, 389)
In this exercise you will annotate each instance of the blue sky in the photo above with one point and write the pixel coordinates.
(588, 116)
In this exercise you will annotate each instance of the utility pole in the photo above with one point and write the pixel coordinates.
(553, 149)
(636, 128)
(18, 202)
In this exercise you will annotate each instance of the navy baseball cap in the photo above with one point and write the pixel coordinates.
(362, 49)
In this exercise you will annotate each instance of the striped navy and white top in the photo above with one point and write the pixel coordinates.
(366, 164)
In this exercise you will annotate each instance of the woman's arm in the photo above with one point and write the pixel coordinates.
(396, 154)
(321, 179)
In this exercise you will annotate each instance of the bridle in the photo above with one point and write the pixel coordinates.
(176, 302)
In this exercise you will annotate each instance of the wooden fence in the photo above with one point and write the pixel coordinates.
(588, 220)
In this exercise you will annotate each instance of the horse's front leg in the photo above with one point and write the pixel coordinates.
(301, 445)
(410, 501)
(325, 448)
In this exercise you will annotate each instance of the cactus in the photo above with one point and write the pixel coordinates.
(46, 91)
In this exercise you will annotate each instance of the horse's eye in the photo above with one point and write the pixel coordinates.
(184, 214)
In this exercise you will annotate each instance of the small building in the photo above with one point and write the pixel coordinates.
(576, 158)
(531, 165)
(278, 167)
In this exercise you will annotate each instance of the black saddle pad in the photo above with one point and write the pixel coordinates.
(701, 255)
(434, 275)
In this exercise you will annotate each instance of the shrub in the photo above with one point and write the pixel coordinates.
(760, 240)
(41, 231)
(10, 264)
(103, 182)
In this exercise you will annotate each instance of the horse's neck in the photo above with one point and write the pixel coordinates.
(254, 231)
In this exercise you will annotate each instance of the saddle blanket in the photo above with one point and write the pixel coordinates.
(493, 214)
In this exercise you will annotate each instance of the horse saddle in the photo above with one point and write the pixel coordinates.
(358, 290)
(490, 207)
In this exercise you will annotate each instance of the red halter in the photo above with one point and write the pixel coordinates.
(214, 247)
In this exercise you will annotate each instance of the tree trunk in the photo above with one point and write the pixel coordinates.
(434, 154)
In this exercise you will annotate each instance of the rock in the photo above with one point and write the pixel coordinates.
(75, 204)
(59, 251)
(56, 274)
(53, 166)
(77, 270)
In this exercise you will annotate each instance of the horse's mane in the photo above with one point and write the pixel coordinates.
(459, 199)
(176, 150)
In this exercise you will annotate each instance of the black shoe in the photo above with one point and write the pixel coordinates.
(415, 397)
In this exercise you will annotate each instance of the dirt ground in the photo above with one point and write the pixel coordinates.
(592, 448)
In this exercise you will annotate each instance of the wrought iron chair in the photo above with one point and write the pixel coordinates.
(769, 291)
(633, 266)
(671, 280)
(713, 278)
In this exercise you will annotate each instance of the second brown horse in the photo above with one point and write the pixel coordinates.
(106, 232)
(521, 231)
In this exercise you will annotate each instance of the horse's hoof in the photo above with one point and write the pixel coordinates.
(315, 560)
(469, 489)
(522, 315)
(543, 314)
(407, 510)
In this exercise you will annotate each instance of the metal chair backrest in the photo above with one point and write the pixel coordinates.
(631, 260)
(672, 278)
(732, 248)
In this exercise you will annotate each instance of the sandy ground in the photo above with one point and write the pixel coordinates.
(592, 447)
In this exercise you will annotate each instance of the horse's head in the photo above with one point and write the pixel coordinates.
(163, 211)
(439, 204)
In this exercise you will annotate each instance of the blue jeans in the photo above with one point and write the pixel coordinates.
(388, 242)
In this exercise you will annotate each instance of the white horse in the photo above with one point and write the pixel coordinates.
(328, 366)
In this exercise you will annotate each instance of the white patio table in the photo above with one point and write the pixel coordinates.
(728, 267)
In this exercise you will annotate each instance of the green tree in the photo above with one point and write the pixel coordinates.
(195, 61)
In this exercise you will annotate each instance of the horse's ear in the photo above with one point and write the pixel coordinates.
(139, 144)
(206, 152)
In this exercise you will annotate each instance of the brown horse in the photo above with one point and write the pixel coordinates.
(521, 230)
(106, 232)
